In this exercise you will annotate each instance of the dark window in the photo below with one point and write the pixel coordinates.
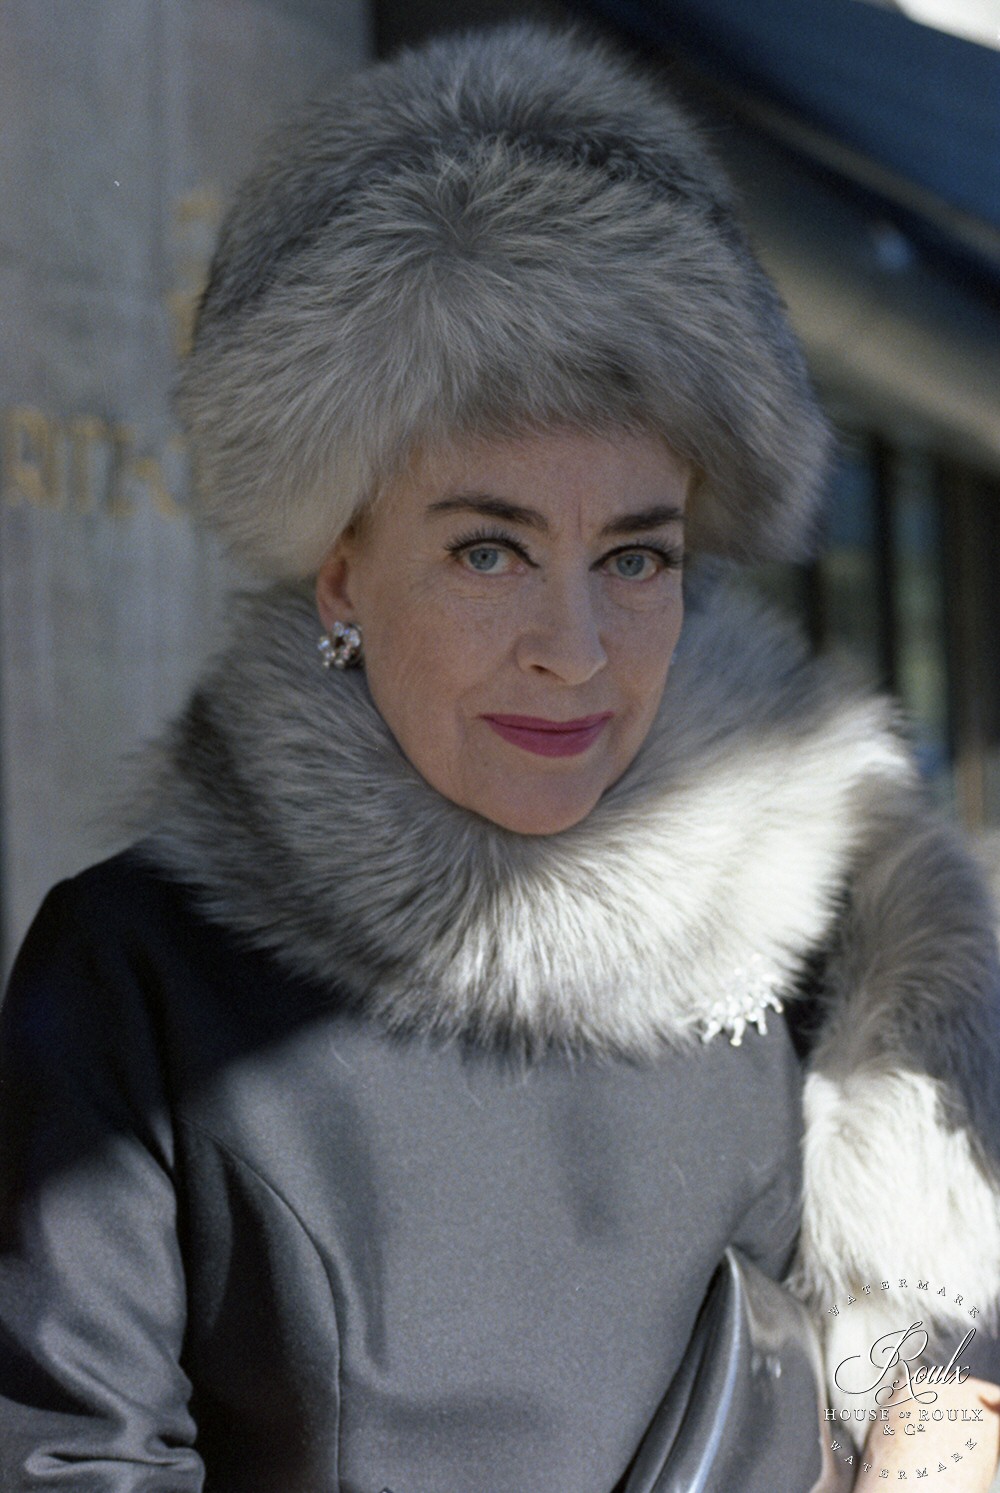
(906, 585)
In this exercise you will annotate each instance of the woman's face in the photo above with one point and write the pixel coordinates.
(520, 601)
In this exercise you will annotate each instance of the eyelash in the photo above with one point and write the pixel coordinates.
(488, 537)
(671, 557)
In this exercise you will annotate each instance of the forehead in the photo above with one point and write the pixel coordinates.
(561, 474)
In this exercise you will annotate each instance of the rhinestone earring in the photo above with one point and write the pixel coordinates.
(341, 647)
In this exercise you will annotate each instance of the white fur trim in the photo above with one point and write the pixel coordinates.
(720, 852)
(769, 821)
(892, 1193)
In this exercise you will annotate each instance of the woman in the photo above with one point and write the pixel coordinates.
(384, 1118)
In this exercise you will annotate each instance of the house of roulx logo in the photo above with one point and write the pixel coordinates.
(896, 1386)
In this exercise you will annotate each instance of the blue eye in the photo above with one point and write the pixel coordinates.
(642, 564)
(633, 566)
(484, 558)
(488, 554)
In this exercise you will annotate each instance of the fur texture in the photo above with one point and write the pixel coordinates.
(769, 822)
(498, 230)
(716, 858)
(901, 1105)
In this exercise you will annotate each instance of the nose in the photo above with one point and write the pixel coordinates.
(560, 633)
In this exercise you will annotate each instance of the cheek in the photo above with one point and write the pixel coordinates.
(675, 622)
(648, 651)
(424, 663)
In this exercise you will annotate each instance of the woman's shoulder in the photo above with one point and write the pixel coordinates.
(125, 887)
(126, 901)
(129, 941)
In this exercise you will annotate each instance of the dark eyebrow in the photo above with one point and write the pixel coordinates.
(646, 518)
(530, 518)
(474, 502)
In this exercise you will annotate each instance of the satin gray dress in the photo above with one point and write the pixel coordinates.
(251, 1243)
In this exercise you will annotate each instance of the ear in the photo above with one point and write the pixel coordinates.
(334, 581)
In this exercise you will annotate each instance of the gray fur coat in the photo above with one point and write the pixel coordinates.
(769, 843)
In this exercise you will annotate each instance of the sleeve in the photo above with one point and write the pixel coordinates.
(901, 1209)
(92, 1298)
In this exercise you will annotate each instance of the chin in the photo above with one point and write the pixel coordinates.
(539, 816)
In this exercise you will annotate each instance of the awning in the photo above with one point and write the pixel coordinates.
(868, 150)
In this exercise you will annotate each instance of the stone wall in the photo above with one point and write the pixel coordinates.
(124, 125)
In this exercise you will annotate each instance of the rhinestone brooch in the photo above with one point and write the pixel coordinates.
(748, 1005)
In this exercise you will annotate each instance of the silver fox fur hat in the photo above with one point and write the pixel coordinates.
(498, 231)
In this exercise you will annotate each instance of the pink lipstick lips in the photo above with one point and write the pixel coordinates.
(549, 738)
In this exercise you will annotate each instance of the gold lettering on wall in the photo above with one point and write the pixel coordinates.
(148, 471)
(103, 467)
(86, 433)
(173, 475)
(31, 465)
(84, 465)
(196, 219)
(120, 503)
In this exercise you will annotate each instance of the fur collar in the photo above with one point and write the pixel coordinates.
(769, 824)
(710, 869)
